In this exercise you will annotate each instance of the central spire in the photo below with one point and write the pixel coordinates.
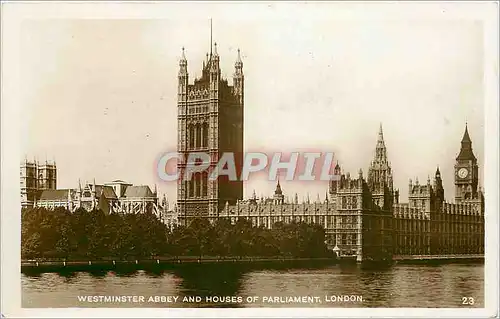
(381, 133)
(380, 172)
(381, 151)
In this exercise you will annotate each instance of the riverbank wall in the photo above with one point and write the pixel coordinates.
(437, 259)
(166, 263)
(41, 266)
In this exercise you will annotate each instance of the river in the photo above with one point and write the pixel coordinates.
(444, 285)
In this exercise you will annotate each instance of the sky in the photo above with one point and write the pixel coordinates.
(99, 95)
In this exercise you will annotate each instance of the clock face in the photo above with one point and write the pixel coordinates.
(463, 172)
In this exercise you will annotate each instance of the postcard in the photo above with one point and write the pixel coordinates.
(249, 159)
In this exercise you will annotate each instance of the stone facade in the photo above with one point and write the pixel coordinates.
(364, 219)
(38, 189)
(210, 119)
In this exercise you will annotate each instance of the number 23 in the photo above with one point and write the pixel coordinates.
(467, 301)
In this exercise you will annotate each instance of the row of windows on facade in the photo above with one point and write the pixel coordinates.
(39, 184)
(350, 222)
(345, 239)
(197, 109)
(198, 135)
(425, 226)
(344, 222)
(198, 186)
(49, 173)
(418, 245)
(348, 202)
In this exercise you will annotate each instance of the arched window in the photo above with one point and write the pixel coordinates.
(191, 188)
(204, 189)
(205, 135)
(191, 136)
(198, 184)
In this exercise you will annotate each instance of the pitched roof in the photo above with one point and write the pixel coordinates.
(54, 194)
(466, 138)
(107, 191)
(466, 149)
(138, 191)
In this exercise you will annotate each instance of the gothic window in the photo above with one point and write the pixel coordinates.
(205, 184)
(354, 202)
(191, 188)
(344, 204)
(196, 182)
(198, 136)
(191, 136)
(205, 134)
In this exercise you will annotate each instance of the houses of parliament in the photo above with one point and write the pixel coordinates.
(362, 215)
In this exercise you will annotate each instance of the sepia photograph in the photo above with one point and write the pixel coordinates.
(218, 159)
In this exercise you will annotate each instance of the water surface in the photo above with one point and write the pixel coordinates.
(396, 286)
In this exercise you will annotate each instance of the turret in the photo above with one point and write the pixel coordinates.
(335, 182)
(278, 194)
(214, 68)
(183, 77)
(396, 196)
(238, 77)
(438, 187)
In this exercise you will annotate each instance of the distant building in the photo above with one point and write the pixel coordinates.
(35, 178)
(117, 197)
(38, 189)
(363, 217)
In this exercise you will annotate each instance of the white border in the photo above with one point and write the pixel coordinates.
(14, 13)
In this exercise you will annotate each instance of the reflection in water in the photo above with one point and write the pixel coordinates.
(155, 273)
(125, 272)
(98, 273)
(396, 286)
(68, 276)
(210, 280)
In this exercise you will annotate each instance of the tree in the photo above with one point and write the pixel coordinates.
(199, 230)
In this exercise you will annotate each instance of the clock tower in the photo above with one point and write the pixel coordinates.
(466, 172)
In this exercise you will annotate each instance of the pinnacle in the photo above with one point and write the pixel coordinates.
(238, 59)
(381, 133)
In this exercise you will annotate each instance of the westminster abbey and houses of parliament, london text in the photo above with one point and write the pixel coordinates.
(362, 216)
